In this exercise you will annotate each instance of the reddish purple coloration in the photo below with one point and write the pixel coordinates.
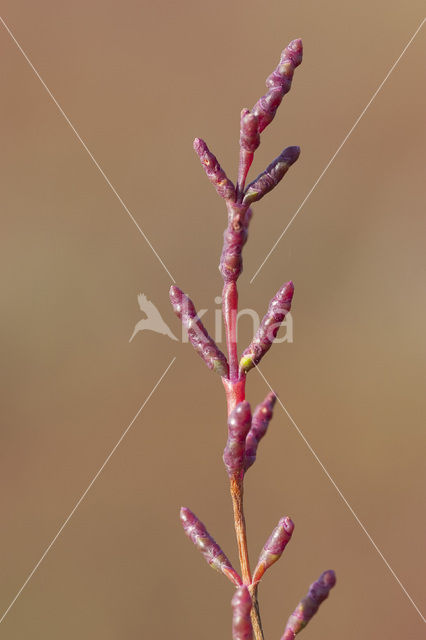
(234, 238)
(198, 534)
(259, 424)
(278, 308)
(272, 175)
(307, 608)
(239, 422)
(249, 141)
(278, 83)
(241, 606)
(203, 344)
(249, 132)
(245, 431)
(274, 547)
(214, 171)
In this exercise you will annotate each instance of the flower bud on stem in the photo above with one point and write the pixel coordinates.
(271, 552)
(214, 171)
(259, 425)
(278, 83)
(203, 344)
(272, 175)
(274, 547)
(265, 335)
(213, 554)
(307, 608)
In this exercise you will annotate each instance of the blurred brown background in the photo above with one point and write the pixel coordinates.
(139, 81)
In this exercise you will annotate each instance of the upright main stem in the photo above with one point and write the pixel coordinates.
(230, 309)
(237, 493)
(235, 393)
(255, 615)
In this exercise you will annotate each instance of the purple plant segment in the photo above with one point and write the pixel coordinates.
(249, 141)
(272, 175)
(239, 422)
(246, 431)
(307, 608)
(249, 131)
(278, 308)
(278, 83)
(234, 239)
(198, 534)
(203, 344)
(274, 547)
(259, 425)
(231, 262)
(241, 606)
(214, 171)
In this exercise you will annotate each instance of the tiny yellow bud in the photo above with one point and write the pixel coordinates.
(246, 363)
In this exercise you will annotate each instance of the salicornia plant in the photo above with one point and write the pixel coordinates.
(246, 429)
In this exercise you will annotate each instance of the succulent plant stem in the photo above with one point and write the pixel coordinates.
(230, 308)
(235, 393)
(246, 429)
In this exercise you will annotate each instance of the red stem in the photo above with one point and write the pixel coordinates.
(230, 308)
(235, 392)
(246, 158)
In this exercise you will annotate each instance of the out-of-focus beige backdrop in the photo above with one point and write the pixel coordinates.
(139, 81)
